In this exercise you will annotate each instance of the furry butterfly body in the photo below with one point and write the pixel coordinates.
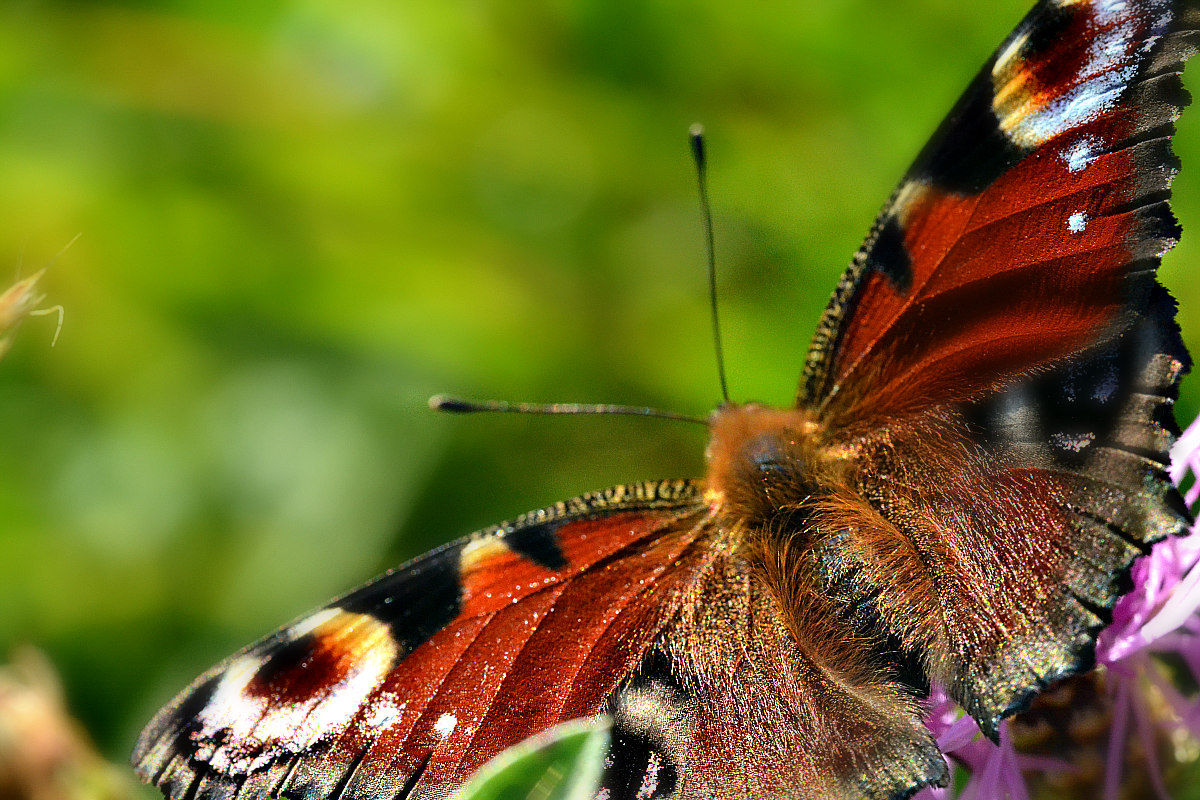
(975, 459)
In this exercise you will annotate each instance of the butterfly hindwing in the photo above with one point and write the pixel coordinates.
(999, 363)
(784, 701)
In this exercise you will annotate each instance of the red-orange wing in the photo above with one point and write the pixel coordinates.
(1030, 226)
(627, 601)
(997, 369)
(415, 679)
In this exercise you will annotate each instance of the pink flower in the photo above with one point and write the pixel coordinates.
(1159, 615)
(995, 770)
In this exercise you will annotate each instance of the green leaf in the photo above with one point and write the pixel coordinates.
(563, 763)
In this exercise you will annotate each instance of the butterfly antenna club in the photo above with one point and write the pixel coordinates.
(696, 137)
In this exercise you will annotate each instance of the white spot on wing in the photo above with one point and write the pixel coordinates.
(311, 623)
(1077, 222)
(445, 725)
(650, 779)
(385, 712)
(1076, 443)
(1011, 52)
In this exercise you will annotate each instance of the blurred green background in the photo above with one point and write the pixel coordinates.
(298, 220)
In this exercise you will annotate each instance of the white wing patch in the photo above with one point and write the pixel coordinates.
(1031, 114)
(244, 727)
(1081, 153)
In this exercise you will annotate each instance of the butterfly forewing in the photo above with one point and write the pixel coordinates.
(1001, 362)
(390, 683)
(1028, 226)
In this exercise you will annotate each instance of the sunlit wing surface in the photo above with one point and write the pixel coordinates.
(1000, 362)
(628, 601)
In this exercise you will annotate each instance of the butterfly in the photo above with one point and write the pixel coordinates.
(975, 458)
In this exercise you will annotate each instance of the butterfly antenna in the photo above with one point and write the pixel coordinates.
(456, 405)
(696, 136)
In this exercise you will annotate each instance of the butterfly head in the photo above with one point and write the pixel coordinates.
(763, 462)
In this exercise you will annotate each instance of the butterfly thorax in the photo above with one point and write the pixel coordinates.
(764, 463)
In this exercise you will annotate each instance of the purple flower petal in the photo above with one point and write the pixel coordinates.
(1115, 763)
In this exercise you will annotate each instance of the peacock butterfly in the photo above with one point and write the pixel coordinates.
(974, 460)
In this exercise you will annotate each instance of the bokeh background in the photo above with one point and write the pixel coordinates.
(299, 219)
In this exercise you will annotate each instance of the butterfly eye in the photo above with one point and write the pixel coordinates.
(767, 453)
(772, 479)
